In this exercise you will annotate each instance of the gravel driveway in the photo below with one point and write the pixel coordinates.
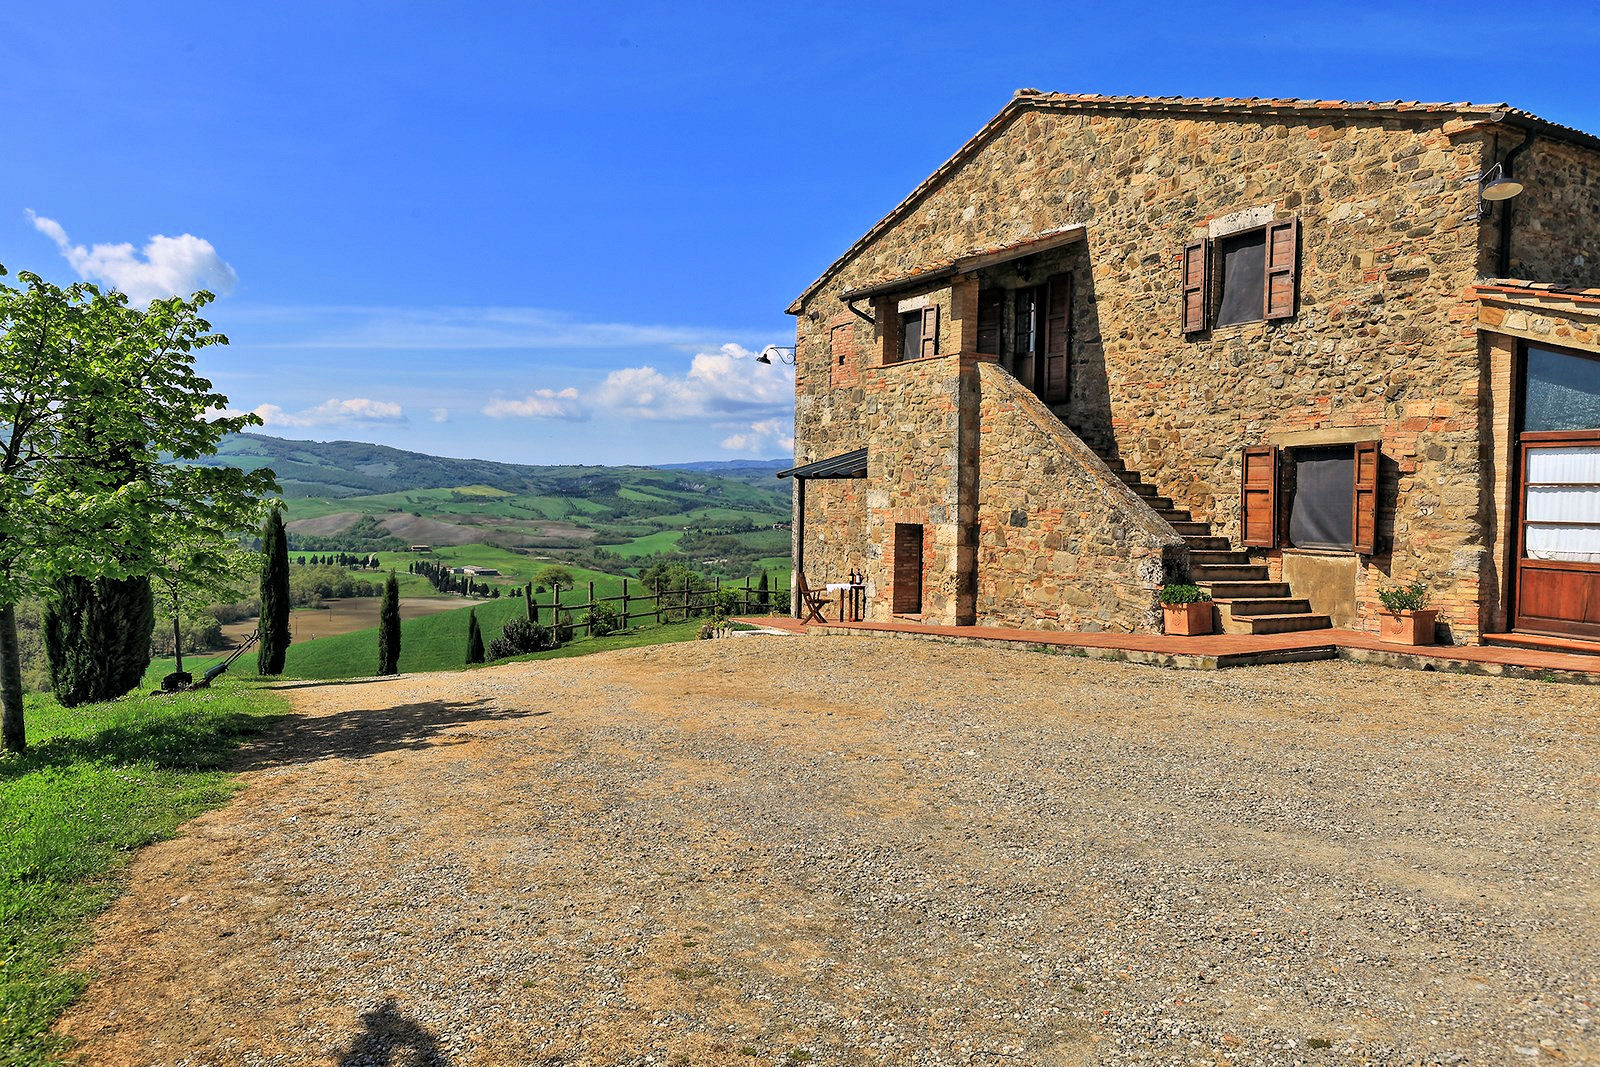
(846, 851)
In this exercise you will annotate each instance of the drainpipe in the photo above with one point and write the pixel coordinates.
(1503, 269)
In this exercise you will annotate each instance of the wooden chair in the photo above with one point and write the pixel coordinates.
(811, 601)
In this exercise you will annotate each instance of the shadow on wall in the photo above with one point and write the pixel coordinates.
(1088, 409)
(390, 1039)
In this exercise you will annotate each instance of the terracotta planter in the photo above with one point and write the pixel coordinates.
(1407, 627)
(1187, 620)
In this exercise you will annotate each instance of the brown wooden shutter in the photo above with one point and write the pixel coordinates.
(907, 568)
(1196, 286)
(930, 331)
(1282, 283)
(1259, 497)
(991, 308)
(1057, 325)
(1364, 531)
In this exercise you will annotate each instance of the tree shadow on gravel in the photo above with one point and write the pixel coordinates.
(363, 732)
(390, 1039)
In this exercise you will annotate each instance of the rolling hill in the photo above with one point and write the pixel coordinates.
(722, 517)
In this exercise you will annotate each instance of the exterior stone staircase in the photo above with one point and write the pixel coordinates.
(1247, 601)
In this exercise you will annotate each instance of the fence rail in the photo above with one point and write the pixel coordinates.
(660, 604)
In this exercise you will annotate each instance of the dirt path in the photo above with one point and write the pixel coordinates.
(840, 851)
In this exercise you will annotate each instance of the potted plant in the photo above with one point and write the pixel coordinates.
(1405, 618)
(1186, 610)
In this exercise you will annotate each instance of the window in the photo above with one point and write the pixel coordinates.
(919, 333)
(1561, 391)
(1322, 507)
(1243, 277)
(1330, 499)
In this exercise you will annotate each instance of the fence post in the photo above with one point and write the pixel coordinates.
(624, 603)
(687, 585)
(747, 609)
(658, 601)
(588, 624)
(555, 608)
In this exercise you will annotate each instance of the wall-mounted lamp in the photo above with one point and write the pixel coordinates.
(786, 356)
(1493, 185)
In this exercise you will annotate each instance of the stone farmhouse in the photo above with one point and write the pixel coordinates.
(1295, 351)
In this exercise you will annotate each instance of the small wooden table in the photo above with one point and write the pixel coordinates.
(852, 599)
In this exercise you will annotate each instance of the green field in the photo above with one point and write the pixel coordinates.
(97, 783)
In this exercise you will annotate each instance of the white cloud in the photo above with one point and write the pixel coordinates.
(334, 413)
(539, 404)
(167, 266)
(439, 414)
(768, 435)
(457, 329)
(727, 382)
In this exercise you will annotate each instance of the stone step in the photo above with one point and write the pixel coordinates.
(1193, 529)
(1160, 503)
(1227, 572)
(1280, 624)
(1268, 605)
(1211, 557)
(1205, 543)
(1146, 491)
(1247, 590)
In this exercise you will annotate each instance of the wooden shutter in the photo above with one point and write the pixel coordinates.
(1196, 286)
(1364, 518)
(930, 331)
(991, 308)
(907, 568)
(1281, 282)
(1057, 326)
(1258, 517)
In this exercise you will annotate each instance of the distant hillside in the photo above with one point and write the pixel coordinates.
(359, 497)
(729, 465)
(356, 468)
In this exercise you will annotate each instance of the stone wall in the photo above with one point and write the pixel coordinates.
(1063, 543)
(1383, 336)
(1555, 223)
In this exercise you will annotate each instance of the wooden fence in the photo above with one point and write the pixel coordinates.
(639, 602)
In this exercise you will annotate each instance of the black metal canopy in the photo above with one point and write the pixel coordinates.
(845, 465)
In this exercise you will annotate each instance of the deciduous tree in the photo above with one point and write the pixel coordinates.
(79, 368)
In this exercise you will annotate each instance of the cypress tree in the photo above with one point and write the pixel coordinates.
(763, 592)
(97, 637)
(274, 645)
(474, 638)
(389, 628)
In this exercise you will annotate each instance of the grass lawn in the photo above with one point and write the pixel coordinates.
(97, 783)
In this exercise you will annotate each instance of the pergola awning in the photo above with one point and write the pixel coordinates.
(844, 465)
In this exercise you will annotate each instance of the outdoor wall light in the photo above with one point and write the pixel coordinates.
(1493, 186)
(786, 356)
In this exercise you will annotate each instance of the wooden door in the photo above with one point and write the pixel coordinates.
(907, 568)
(1558, 535)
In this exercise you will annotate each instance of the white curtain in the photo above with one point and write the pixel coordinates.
(1563, 504)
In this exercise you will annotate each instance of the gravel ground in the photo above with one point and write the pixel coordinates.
(844, 851)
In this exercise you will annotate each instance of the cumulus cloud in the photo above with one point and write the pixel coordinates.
(768, 435)
(727, 383)
(539, 404)
(166, 266)
(334, 413)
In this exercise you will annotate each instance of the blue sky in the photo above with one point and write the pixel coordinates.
(557, 233)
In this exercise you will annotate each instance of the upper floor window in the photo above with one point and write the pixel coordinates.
(919, 332)
(1252, 276)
